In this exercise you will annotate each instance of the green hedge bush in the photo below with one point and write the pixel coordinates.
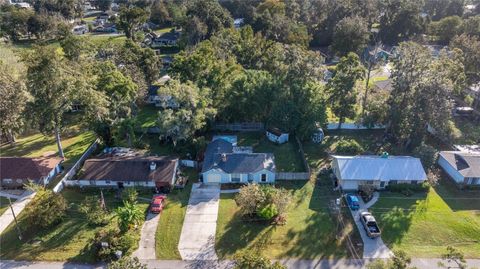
(349, 146)
(408, 189)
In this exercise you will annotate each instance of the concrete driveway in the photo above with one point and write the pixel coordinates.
(146, 246)
(197, 241)
(17, 206)
(372, 247)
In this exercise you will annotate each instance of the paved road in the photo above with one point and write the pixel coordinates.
(7, 217)
(197, 240)
(372, 247)
(177, 264)
(146, 246)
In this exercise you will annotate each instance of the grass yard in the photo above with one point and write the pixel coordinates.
(469, 131)
(310, 231)
(317, 154)
(147, 116)
(74, 144)
(4, 204)
(423, 225)
(287, 156)
(68, 241)
(171, 221)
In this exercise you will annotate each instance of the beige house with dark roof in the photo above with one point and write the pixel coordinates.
(17, 171)
(462, 167)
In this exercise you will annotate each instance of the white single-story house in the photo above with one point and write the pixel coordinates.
(379, 171)
(142, 171)
(17, 171)
(462, 167)
(277, 136)
(167, 39)
(226, 163)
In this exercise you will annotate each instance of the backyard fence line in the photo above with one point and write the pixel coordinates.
(353, 126)
(240, 126)
(292, 176)
(302, 155)
(73, 170)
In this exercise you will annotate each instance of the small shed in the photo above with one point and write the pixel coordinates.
(277, 136)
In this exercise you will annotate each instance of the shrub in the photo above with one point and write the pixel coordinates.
(408, 189)
(253, 260)
(250, 198)
(349, 146)
(127, 263)
(46, 208)
(115, 240)
(427, 154)
(128, 216)
(268, 212)
(93, 211)
(130, 195)
(366, 192)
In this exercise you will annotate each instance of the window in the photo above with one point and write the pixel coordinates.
(19, 181)
(393, 182)
(7, 180)
(236, 177)
(414, 182)
(382, 184)
(369, 182)
(107, 181)
(264, 178)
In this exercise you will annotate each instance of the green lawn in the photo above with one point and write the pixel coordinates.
(4, 204)
(68, 241)
(171, 221)
(74, 144)
(469, 131)
(287, 156)
(317, 154)
(147, 116)
(425, 224)
(310, 231)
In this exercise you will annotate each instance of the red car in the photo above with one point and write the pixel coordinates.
(156, 206)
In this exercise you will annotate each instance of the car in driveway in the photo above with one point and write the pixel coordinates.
(352, 202)
(157, 204)
(370, 224)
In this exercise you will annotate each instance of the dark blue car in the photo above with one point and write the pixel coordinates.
(352, 202)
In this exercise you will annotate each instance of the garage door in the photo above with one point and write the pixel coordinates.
(213, 178)
(350, 185)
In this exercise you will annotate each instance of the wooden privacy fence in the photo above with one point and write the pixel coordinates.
(292, 176)
(71, 173)
(240, 127)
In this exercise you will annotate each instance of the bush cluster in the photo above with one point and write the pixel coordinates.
(107, 241)
(408, 189)
(266, 202)
(349, 146)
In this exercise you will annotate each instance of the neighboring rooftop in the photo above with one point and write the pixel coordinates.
(130, 169)
(384, 85)
(27, 168)
(275, 131)
(171, 36)
(468, 164)
(380, 168)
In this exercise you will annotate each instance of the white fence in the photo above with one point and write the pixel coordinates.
(353, 126)
(292, 176)
(71, 173)
(240, 127)
(188, 163)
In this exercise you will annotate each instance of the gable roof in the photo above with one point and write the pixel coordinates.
(220, 155)
(380, 168)
(129, 169)
(171, 36)
(467, 164)
(275, 131)
(27, 168)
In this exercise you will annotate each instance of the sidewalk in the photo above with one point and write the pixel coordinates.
(226, 264)
(18, 207)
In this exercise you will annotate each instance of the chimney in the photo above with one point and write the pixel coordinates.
(153, 166)
(224, 157)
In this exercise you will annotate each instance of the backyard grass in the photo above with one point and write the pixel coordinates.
(171, 221)
(469, 131)
(287, 156)
(310, 231)
(68, 241)
(4, 204)
(423, 225)
(147, 116)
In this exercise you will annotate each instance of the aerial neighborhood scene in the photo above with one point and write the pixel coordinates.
(239, 134)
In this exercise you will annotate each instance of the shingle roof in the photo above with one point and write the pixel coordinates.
(27, 168)
(169, 36)
(380, 168)
(468, 164)
(220, 155)
(129, 169)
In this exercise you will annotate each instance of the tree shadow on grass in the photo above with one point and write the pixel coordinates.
(239, 235)
(25, 147)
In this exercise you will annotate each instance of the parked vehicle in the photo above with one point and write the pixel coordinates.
(353, 202)
(370, 224)
(157, 204)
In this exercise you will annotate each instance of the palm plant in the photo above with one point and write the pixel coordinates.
(128, 216)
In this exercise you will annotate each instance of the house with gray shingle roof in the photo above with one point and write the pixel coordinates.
(462, 167)
(224, 162)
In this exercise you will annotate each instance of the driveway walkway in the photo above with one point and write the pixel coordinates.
(372, 247)
(197, 241)
(7, 217)
(146, 247)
